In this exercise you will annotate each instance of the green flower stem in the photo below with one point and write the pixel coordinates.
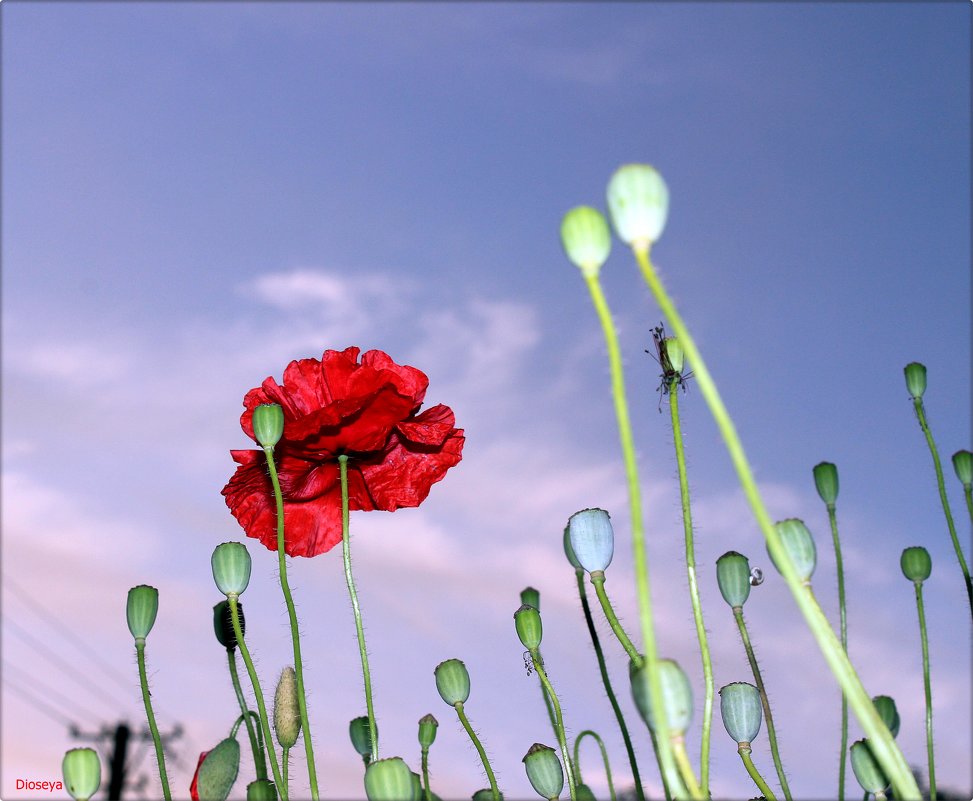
(425, 774)
(928, 688)
(764, 700)
(880, 795)
(295, 633)
(259, 758)
(685, 768)
(547, 704)
(604, 759)
(670, 773)
(285, 759)
(639, 794)
(833, 518)
(258, 693)
(883, 746)
(687, 522)
(479, 749)
(755, 775)
(147, 700)
(349, 579)
(559, 721)
(921, 414)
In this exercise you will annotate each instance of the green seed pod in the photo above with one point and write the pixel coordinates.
(219, 770)
(733, 576)
(268, 424)
(675, 354)
(485, 794)
(261, 790)
(867, 770)
(583, 793)
(81, 769)
(677, 695)
(915, 379)
(427, 731)
(544, 771)
(142, 607)
(799, 545)
(916, 563)
(826, 480)
(453, 681)
(963, 465)
(741, 711)
(287, 711)
(223, 623)
(528, 623)
(231, 567)
(569, 551)
(592, 538)
(388, 780)
(638, 202)
(531, 597)
(889, 714)
(586, 239)
(417, 792)
(360, 734)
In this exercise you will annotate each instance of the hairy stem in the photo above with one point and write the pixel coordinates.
(559, 722)
(842, 612)
(259, 758)
(927, 687)
(150, 715)
(604, 759)
(755, 775)
(479, 749)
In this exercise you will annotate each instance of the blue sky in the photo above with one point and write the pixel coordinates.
(195, 194)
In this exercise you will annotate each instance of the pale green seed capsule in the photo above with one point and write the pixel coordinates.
(741, 711)
(799, 544)
(388, 780)
(915, 379)
(360, 734)
(268, 424)
(531, 597)
(427, 730)
(638, 202)
(261, 790)
(231, 568)
(141, 610)
(527, 620)
(963, 465)
(453, 681)
(733, 577)
(677, 695)
(867, 770)
(888, 713)
(586, 239)
(916, 563)
(544, 771)
(569, 551)
(826, 481)
(592, 538)
(287, 711)
(219, 770)
(81, 769)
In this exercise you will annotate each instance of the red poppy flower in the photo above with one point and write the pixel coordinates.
(335, 406)
(193, 789)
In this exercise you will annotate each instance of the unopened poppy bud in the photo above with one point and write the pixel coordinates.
(584, 793)
(268, 424)
(677, 695)
(870, 775)
(218, 771)
(388, 780)
(826, 481)
(360, 734)
(569, 551)
(915, 379)
(531, 597)
(544, 771)
(427, 730)
(963, 465)
(453, 681)
(485, 794)
(586, 239)
(674, 352)
(142, 607)
(741, 711)
(528, 623)
(287, 712)
(638, 202)
(885, 706)
(261, 790)
(916, 563)
(592, 538)
(733, 577)
(81, 769)
(223, 623)
(231, 567)
(799, 544)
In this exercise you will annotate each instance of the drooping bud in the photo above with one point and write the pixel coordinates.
(453, 681)
(826, 481)
(81, 769)
(218, 770)
(799, 544)
(261, 790)
(586, 239)
(287, 711)
(142, 607)
(885, 706)
(592, 538)
(584, 793)
(733, 576)
(485, 794)
(963, 465)
(223, 623)
(675, 354)
(638, 202)
(388, 780)
(361, 738)
(531, 597)
(231, 567)
(916, 563)
(427, 731)
(569, 551)
(869, 773)
(741, 711)
(544, 771)
(268, 424)
(528, 623)
(677, 695)
(915, 379)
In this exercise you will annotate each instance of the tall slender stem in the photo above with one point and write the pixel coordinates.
(284, 760)
(685, 769)
(927, 687)
(883, 746)
(755, 775)
(427, 794)
(259, 759)
(842, 612)
(598, 581)
(150, 715)
(559, 720)
(479, 749)
(604, 759)
(547, 704)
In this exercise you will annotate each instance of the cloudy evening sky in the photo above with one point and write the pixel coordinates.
(195, 194)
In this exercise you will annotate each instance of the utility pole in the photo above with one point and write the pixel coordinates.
(120, 737)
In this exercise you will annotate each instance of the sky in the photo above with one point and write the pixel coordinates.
(194, 194)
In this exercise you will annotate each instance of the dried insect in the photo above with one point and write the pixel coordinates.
(669, 375)
(756, 577)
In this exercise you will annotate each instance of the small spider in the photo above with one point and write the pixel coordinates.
(756, 577)
(669, 376)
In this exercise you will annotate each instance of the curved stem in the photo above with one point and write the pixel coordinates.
(150, 715)
(350, 580)
(479, 749)
(687, 523)
(259, 759)
(559, 720)
(685, 769)
(928, 688)
(425, 774)
(604, 759)
(547, 704)
(755, 775)
(883, 746)
(842, 612)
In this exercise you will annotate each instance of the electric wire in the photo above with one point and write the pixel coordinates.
(39, 705)
(70, 705)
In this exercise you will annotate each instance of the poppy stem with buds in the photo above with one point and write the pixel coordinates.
(150, 716)
(604, 759)
(559, 722)
(259, 758)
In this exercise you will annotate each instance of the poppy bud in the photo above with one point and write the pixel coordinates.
(584, 793)
(674, 352)
(360, 734)
(453, 681)
(733, 577)
(638, 202)
(417, 793)
(569, 551)
(81, 769)
(268, 424)
(826, 480)
(916, 563)
(427, 730)
(485, 794)
(143, 606)
(915, 379)
(388, 780)
(231, 567)
(885, 706)
(544, 771)
(261, 790)
(287, 713)
(963, 465)
(531, 597)
(592, 538)
(867, 770)
(528, 622)
(741, 711)
(223, 623)
(799, 544)
(677, 695)
(586, 239)
(218, 771)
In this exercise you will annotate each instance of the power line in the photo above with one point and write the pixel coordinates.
(38, 704)
(51, 693)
